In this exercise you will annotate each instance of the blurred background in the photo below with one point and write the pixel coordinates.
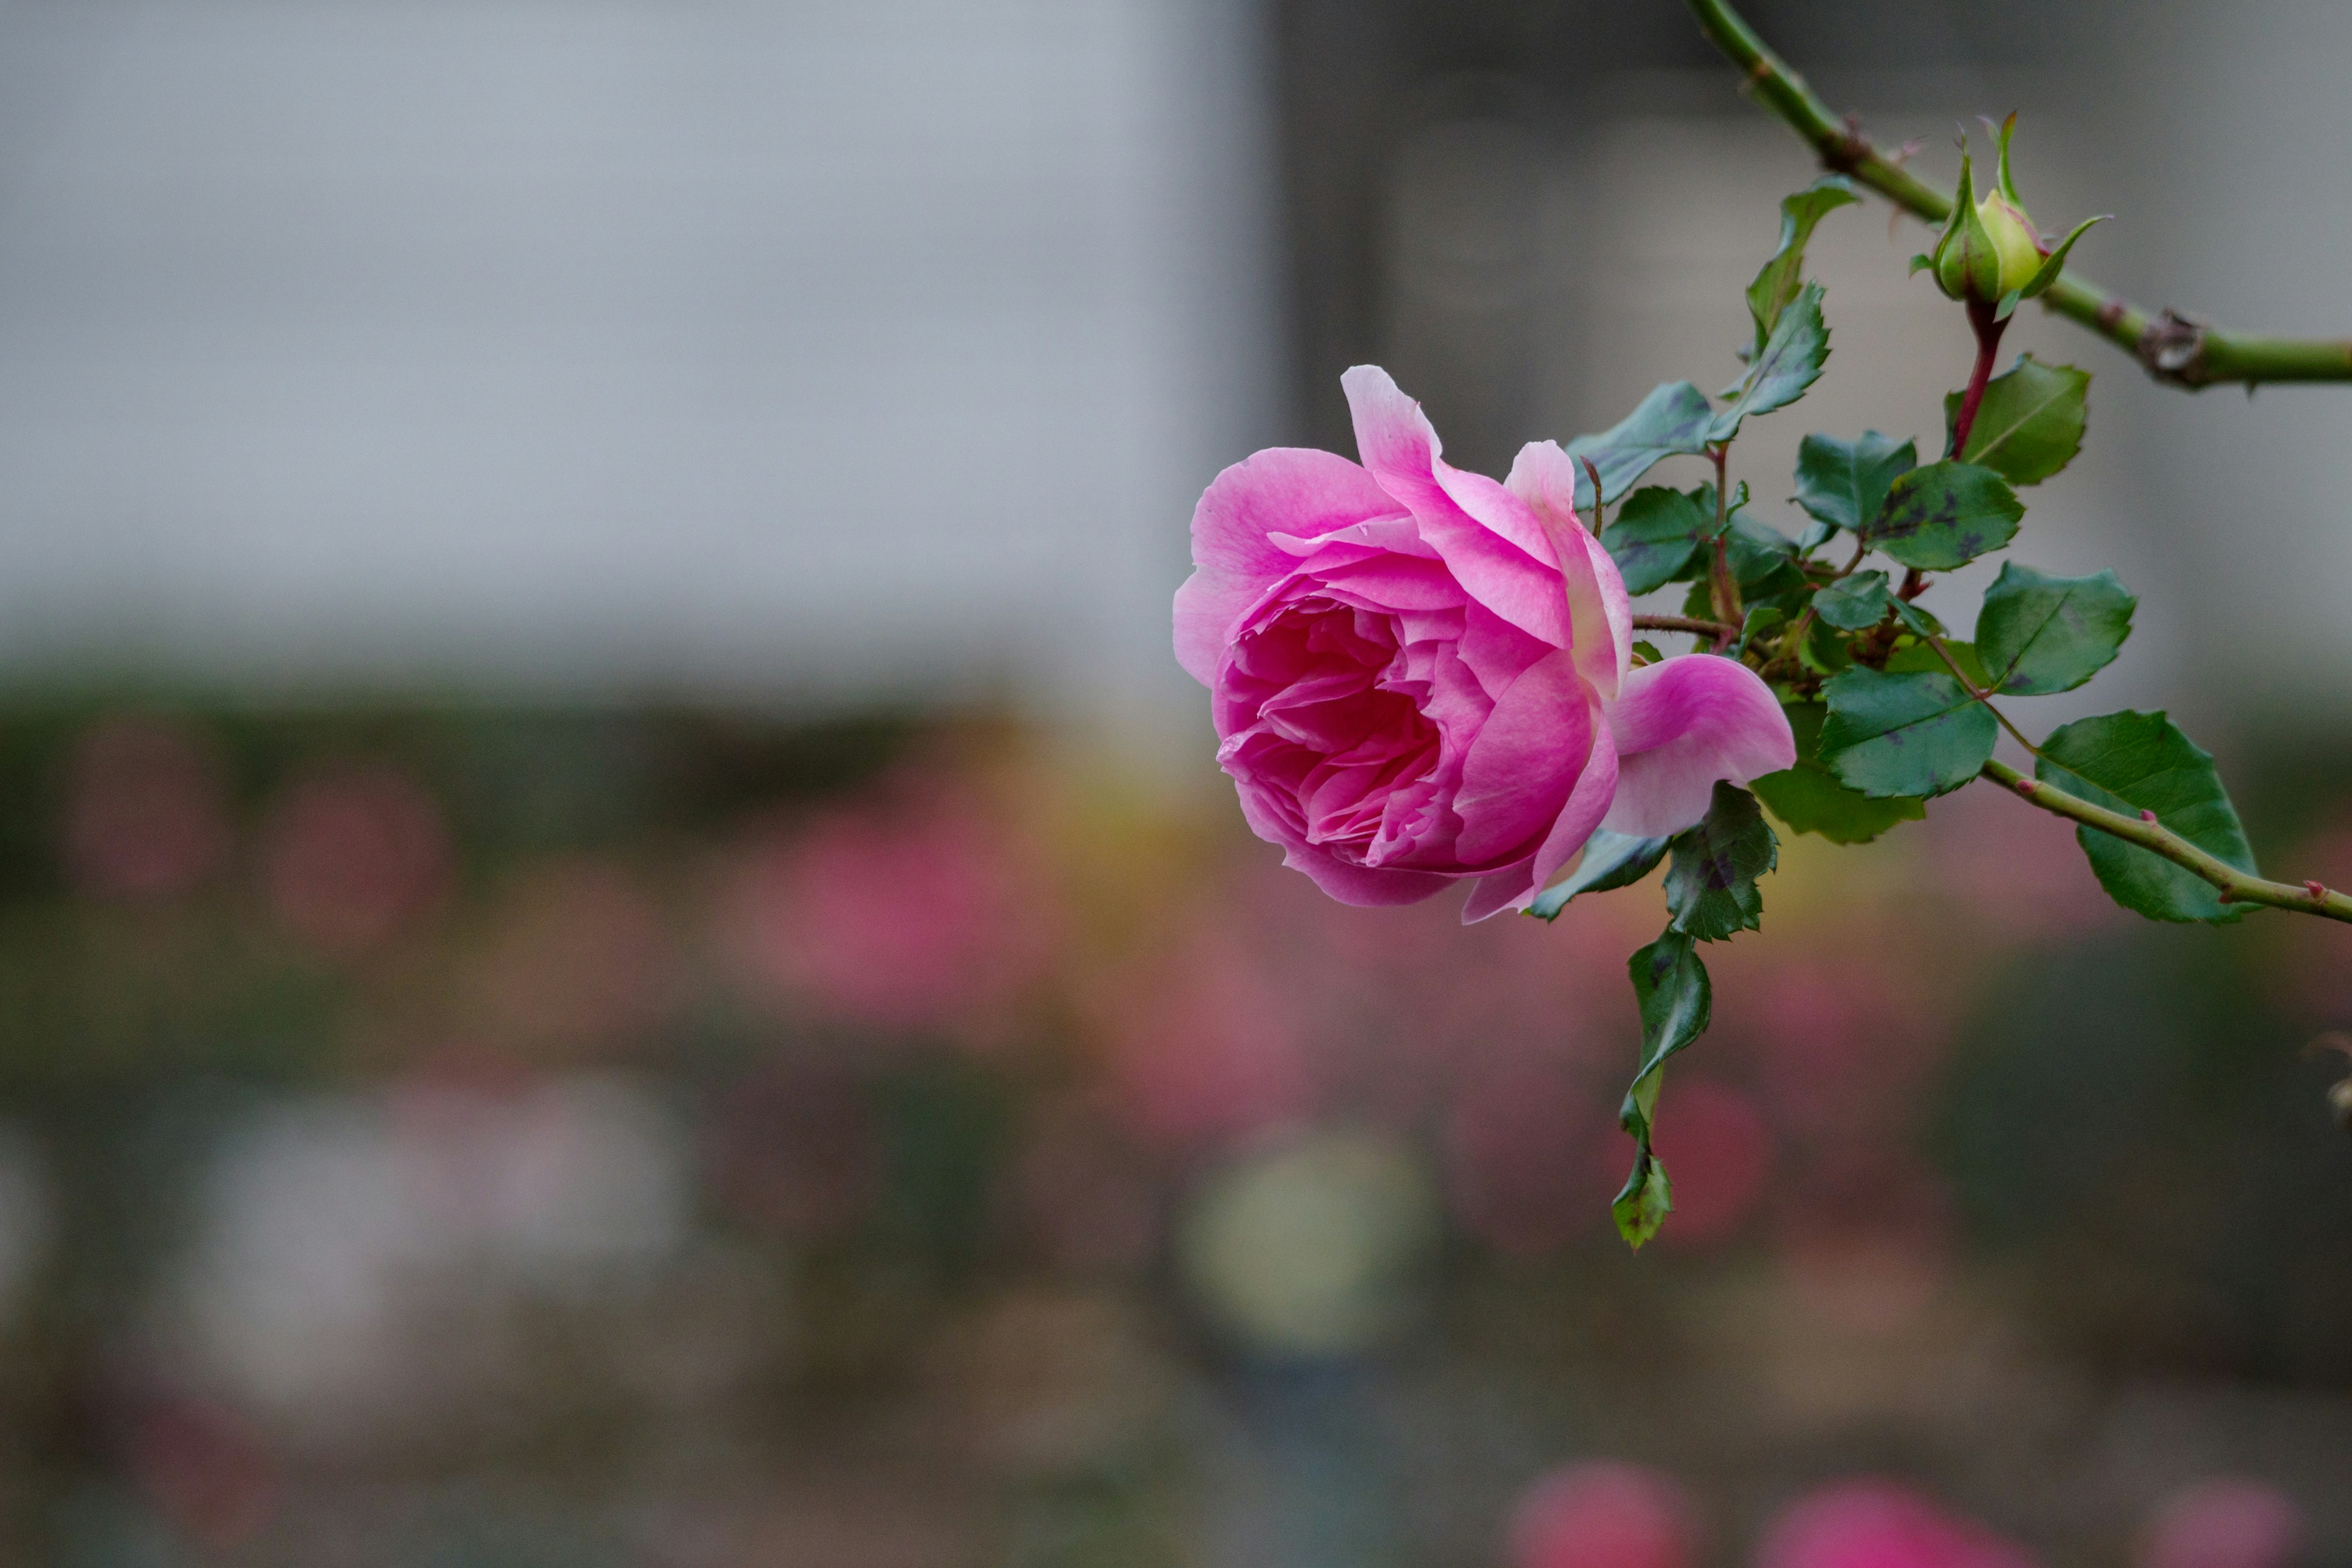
(620, 943)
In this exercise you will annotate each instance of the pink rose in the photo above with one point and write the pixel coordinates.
(1420, 675)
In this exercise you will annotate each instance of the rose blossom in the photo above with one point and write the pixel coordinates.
(1420, 675)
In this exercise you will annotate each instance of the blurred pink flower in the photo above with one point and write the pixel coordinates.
(1204, 1047)
(1598, 1514)
(1520, 1146)
(2223, 1523)
(1718, 1155)
(1878, 1524)
(146, 815)
(908, 910)
(352, 854)
(1421, 678)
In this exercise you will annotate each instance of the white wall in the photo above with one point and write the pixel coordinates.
(815, 350)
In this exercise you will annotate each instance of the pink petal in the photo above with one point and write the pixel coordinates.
(1291, 491)
(1515, 889)
(1680, 726)
(1519, 770)
(1359, 885)
(1545, 478)
(1498, 551)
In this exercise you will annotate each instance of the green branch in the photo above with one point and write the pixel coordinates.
(2174, 347)
(2236, 887)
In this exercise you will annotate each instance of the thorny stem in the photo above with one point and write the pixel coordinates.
(2236, 887)
(1692, 623)
(2174, 347)
(1988, 329)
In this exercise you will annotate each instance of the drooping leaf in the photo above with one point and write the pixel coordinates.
(1776, 286)
(1644, 1201)
(1807, 798)
(1672, 421)
(1711, 886)
(1844, 483)
(1671, 987)
(2030, 424)
(2132, 762)
(2040, 633)
(1656, 532)
(1855, 603)
(1789, 362)
(1610, 860)
(1910, 734)
(1945, 515)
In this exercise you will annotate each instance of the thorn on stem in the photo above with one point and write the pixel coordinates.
(2025, 786)
(2148, 816)
(2317, 892)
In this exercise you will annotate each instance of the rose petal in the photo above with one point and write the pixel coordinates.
(1680, 725)
(1545, 478)
(1520, 770)
(1400, 450)
(1515, 889)
(1292, 490)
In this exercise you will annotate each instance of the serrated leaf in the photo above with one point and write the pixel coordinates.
(2039, 634)
(1711, 888)
(1807, 798)
(1945, 515)
(1776, 286)
(1915, 658)
(2131, 763)
(1672, 989)
(1789, 362)
(1844, 483)
(2030, 423)
(1610, 860)
(1672, 421)
(1655, 534)
(1911, 734)
(1857, 603)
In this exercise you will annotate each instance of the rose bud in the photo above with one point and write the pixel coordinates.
(1990, 252)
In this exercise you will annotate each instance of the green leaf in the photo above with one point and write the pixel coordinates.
(1945, 515)
(1844, 483)
(1711, 886)
(1610, 860)
(1672, 421)
(2030, 424)
(1760, 551)
(2040, 633)
(2055, 262)
(1807, 798)
(1855, 603)
(1655, 534)
(2133, 763)
(1789, 362)
(1648, 650)
(1913, 734)
(1644, 1201)
(1670, 984)
(1915, 658)
(1777, 284)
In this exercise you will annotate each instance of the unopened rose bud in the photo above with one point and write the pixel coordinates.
(1990, 252)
